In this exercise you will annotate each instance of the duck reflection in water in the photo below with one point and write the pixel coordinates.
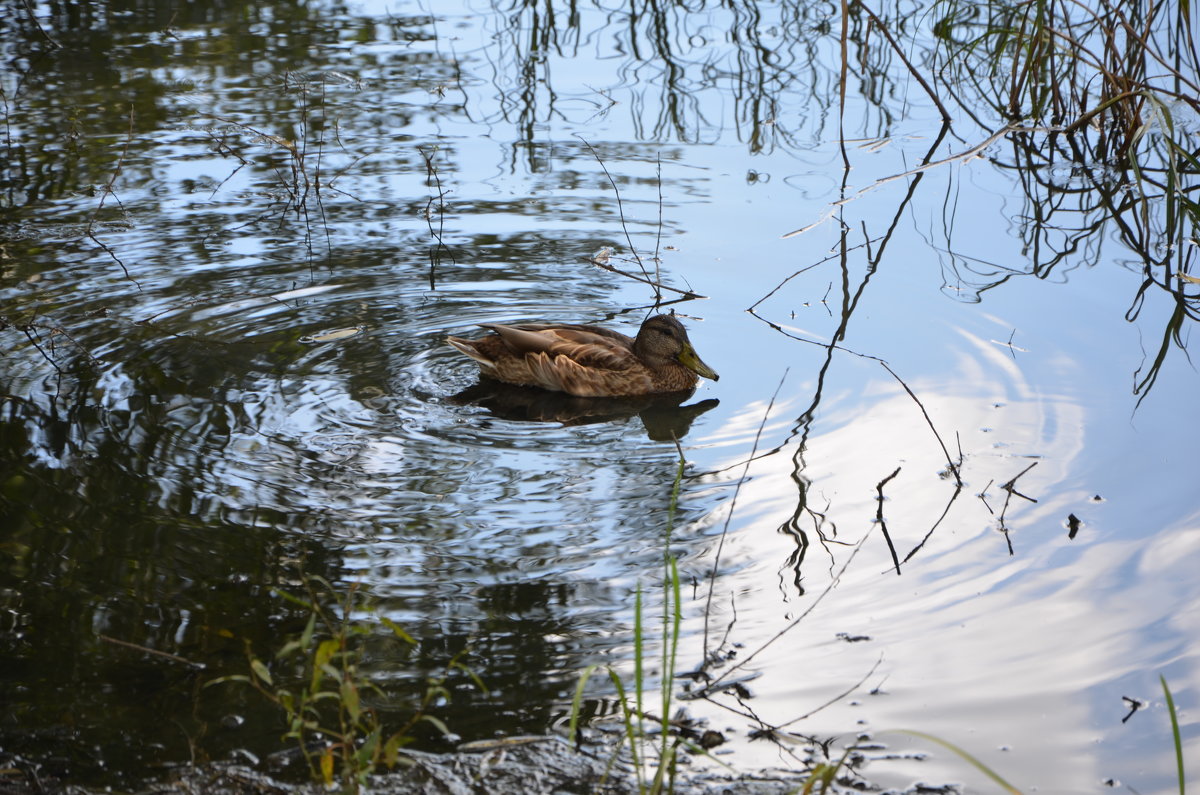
(663, 415)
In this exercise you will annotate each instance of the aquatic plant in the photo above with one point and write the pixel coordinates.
(342, 739)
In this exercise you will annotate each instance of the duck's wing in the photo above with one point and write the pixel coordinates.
(587, 347)
(564, 374)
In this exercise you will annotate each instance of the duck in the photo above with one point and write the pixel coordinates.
(589, 361)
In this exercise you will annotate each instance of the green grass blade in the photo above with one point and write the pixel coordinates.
(671, 619)
(980, 766)
(637, 653)
(1175, 733)
(577, 702)
(630, 733)
(825, 774)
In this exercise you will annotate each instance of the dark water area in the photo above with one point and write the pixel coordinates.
(233, 238)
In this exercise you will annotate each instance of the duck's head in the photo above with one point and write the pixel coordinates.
(663, 339)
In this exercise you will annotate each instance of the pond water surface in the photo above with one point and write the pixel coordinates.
(236, 235)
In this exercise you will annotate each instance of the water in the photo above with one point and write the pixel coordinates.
(184, 428)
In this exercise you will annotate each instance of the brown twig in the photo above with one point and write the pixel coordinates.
(836, 698)
(911, 69)
(621, 214)
(964, 155)
(657, 285)
(435, 253)
(803, 615)
(155, 652)
(105, 193)
(936, 524)
(33, 18)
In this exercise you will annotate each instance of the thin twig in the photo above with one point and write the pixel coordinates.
(883, 522)
(105, 193)
(938, 523)
(156, 652)
(928, 421)
(620, 213)
(965, 155)
(1010, 490)
(658, 236)
(434, 254)
(712, 583)
(911, 69)
(835, 699)
(33, 18)
(657, 285)
(796, 621)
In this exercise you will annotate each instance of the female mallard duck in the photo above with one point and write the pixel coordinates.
(589, 361)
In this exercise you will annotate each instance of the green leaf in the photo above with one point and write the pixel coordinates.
(631, 733)
(327, 766)
(307, 635)
(350, 700)
(260, 670)
(397, 630)
(391, 749)
(294, 599)
(577, 700)
(472, 675)
(365, 755)
(437, 724)
(325, 652)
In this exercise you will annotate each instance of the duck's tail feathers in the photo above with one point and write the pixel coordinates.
(467, 347)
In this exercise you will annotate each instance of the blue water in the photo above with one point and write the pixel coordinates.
(178, 444)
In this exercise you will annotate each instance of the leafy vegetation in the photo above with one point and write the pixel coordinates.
(323, 695)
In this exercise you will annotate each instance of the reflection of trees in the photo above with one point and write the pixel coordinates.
(852, 287)
(1075, 195)
(676, 65)
(93, 546)
(1118, 85)
(68, 84)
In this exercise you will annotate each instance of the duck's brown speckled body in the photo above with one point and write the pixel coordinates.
(589, 361)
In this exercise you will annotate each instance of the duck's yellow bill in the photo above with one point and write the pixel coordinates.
(689, 359)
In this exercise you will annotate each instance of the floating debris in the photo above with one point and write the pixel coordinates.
(334, 335)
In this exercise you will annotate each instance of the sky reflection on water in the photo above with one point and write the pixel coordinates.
(191, 441)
